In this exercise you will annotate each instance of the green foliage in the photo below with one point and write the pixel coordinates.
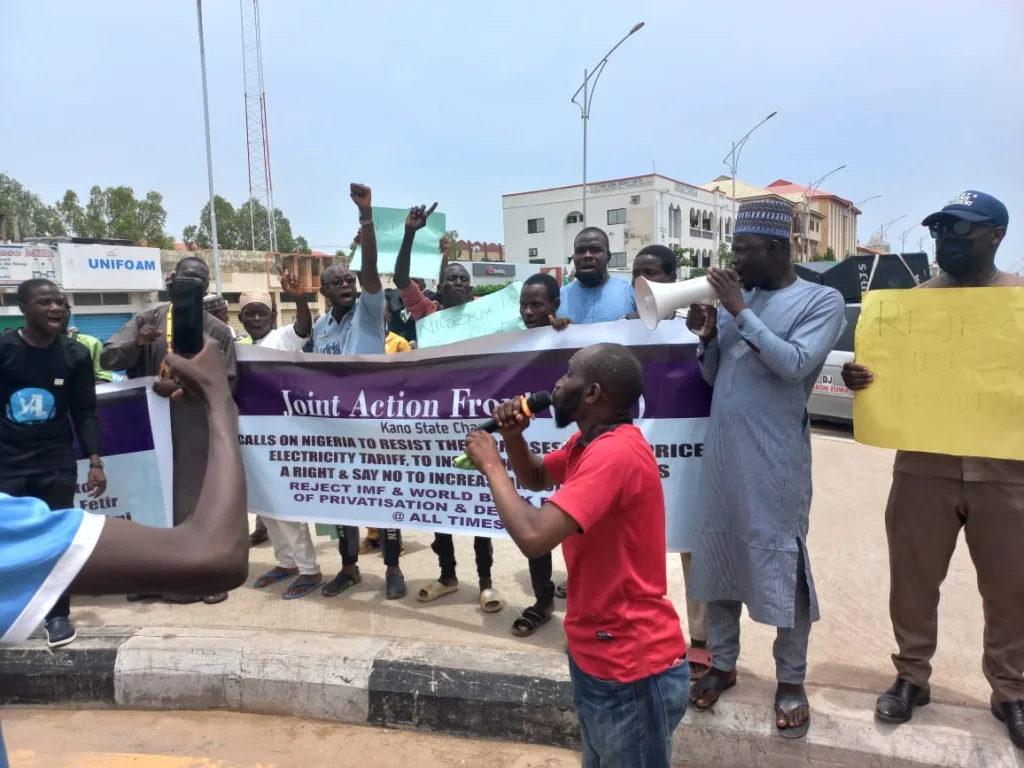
(724, 255)
(24, 213)
(235, 228)
(454, 249)
(697, 272)
(830, 255)
(685, 257)
(115, 213)
(484, 290)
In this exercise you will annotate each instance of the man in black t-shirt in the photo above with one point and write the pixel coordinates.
(46, 387)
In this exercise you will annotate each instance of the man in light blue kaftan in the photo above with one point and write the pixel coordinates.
(762, 351)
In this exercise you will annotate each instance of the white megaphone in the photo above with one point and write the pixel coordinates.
(659, 301)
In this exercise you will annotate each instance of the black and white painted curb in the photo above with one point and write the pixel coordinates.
(480, 692)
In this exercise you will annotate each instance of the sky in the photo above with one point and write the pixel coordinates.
(461, 101)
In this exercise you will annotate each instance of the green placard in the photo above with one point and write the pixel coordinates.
(495, 313)
(389, 224)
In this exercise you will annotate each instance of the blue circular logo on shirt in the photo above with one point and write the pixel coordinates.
(31, 406)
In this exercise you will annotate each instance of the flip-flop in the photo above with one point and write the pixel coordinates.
(490, 601)
(302, 586)
(700, 662)
(562, 590)
(340, 583)
(786, 703)
(717, 684)
(394, 586)
(435, 590)
(367, 545)
(531, 620)
(271, 577)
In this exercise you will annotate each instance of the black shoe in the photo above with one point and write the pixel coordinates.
(259, 536)
(897, 704)
(60, 632)
(1012, 713)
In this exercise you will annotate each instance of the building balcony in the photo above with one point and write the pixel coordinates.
(707, 235)
(694, 231)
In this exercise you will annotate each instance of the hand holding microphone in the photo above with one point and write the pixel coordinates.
(511, 418)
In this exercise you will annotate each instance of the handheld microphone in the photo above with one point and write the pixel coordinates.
(530, 407)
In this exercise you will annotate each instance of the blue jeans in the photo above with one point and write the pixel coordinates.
(629, 725)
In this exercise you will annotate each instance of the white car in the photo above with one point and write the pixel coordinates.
(830, 400)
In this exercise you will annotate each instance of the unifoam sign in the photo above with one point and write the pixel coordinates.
(110, 267)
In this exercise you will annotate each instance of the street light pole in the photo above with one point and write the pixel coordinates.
(209, 151)
(857, 205)
(903, 238)
(885, 228)
(588, 96)
(732, 160)
(807, 205)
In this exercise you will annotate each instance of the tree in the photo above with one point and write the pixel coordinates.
(228, 235)
(830, 254)
(23, 214)
(724, 255)
(685, 257)
(115, 213)
(235, 228)
(454, 249)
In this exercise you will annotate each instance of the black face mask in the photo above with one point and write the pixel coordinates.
(567, 407)
(955, 256)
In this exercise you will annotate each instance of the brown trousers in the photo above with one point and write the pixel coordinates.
(923, 521)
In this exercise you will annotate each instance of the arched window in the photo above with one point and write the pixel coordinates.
(574, 218)
(694, 219)
(728, 226)
(707, 221)
(677, 217)
(705, 258)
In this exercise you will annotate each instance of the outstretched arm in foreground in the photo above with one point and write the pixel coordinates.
(210, 551)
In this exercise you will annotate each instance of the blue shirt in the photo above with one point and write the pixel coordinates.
(41, 553)
(360, 332)
(601, 304)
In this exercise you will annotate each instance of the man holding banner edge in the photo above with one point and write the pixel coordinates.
(933, 496)
(355, 326)
(454, 289)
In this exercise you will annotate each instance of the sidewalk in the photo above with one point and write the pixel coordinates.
(448, 666)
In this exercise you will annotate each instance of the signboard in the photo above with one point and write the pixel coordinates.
(110, 267)
(389, 226)
(495, 313)
(637, 181)
(494, 270)
(948, 367)
(24, 262)
(686, 189)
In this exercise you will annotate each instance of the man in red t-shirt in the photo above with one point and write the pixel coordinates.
(627, 653)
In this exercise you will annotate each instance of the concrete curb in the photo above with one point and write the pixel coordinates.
(467, 691)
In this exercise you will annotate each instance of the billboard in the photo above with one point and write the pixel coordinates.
(24, 262)
(110, 267)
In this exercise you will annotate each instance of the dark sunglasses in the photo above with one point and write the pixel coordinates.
(957, 227)
(340, 281)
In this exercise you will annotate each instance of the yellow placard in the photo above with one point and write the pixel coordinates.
(948, 368)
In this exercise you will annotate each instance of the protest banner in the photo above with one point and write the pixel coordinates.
(495, 313)
(389, 225)
(369, 440)
(135, 440)
(948, 370)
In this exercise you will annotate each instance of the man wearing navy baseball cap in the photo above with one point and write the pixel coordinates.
(934, 495)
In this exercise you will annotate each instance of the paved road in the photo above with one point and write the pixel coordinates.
(53, 738)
